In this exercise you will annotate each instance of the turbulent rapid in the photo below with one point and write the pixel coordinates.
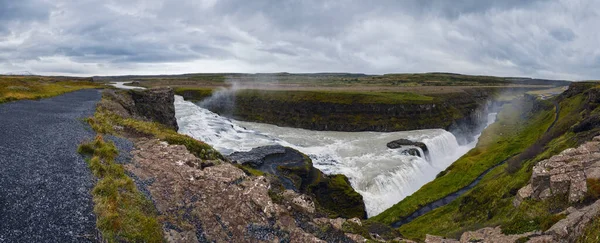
(382, 176)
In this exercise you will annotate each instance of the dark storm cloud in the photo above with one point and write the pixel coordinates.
(541, 38)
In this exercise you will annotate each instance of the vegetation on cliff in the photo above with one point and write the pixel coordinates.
(107, 118)
(33, 87)
(123, 213)
(499, 142)
(490, 202)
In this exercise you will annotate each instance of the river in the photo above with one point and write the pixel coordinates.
(382, 176)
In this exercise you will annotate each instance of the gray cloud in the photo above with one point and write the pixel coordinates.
(541, 38)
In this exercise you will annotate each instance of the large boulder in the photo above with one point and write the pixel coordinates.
(409, 147)
(564, 174)
(333, 193)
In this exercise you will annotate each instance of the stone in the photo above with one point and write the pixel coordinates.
(569, 228)
(256, 156)
(296, 172)
(523, 194)
(438, 239)
(407, 144)
(564, 174)
(220, 203)
(156, 105)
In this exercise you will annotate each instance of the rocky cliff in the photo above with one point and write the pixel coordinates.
(461, 113)
(333, 193)
(150, 105)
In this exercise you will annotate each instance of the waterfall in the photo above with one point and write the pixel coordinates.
(382, 176)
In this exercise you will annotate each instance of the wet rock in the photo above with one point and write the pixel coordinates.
(400, 143)
(295, 171)
(564, 174)
(257, 156)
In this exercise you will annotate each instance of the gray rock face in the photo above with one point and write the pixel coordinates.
(156, 105)
(256, 156)
(565, 173)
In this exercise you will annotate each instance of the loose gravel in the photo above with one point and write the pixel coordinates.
(44, 183)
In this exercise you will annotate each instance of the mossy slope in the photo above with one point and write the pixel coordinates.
(490, 202)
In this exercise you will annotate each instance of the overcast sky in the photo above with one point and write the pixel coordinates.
(557, 39)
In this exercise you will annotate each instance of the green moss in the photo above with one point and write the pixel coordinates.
(104, 121)
(250, 171)
(123, 213)
(336, 195)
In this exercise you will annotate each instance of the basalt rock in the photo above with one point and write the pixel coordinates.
(333, 193)
(150, 105)
(464, 114)
(156, 105)
(564, 174)
(408, 146)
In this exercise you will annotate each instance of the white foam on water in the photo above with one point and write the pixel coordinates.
(382, 176)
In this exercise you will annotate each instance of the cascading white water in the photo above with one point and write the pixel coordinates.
(383, 176)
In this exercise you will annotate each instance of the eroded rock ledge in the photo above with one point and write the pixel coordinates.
(222, 203)
(564, 174)
(296, 172)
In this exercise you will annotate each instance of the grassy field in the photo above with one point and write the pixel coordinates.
(332, 79)
(32, 87)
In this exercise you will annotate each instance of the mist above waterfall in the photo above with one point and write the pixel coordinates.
(383, 176)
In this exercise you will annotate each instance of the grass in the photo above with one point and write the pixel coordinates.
(336, 97)
(104, 121)
(123, 213)
(490, 202)
(29, 88)
(490, 150)
(193, 94)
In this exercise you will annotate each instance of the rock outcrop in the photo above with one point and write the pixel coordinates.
(571, 227)
(564, 174)
(485, 235)
(295, 171)
(156, 105)
(464, 114)
(150, 105)
(221, 203)
(408, 146)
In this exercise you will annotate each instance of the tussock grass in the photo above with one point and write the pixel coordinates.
(104, 121)
(19, 88)
(123, 213)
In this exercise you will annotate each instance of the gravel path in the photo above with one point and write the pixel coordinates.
(44, 184)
